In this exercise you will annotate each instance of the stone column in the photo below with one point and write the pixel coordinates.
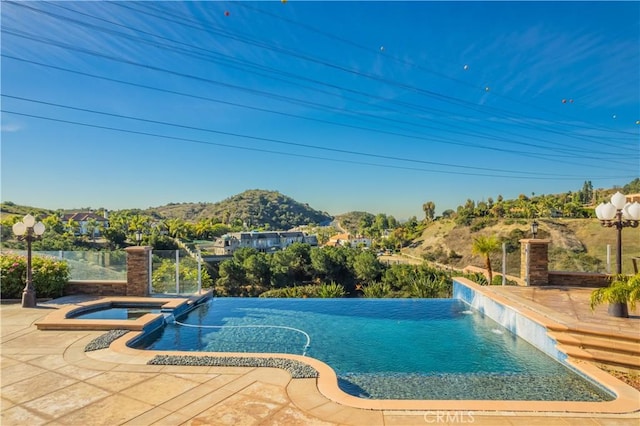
(534, 261)
(138, 274)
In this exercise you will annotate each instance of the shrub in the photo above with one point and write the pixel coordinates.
(331, 290)
(377, 290)
(303, 291)
(49, 276)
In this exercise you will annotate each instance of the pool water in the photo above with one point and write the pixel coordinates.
(385, 348)
(117, 313)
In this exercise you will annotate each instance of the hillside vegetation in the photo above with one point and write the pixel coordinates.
(253, 208)
(576, 244)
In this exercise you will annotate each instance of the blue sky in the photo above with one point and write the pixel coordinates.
(374, 106)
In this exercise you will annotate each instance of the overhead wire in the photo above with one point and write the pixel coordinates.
(340, 160)
(293, 100)
(553, 147)
(477, 134)
(318, 147)
(403, 61)
(305, 56)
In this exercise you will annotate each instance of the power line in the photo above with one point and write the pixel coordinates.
(341, 151)
(554, 147)
(446, 98)
(202, 142)
(268, 94)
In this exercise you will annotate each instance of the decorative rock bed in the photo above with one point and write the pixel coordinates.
(297, 369)
(105, 340)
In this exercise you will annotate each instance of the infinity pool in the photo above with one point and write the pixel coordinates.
(384, 348)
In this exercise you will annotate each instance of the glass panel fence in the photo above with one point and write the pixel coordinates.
(174, 272)
(89, 265)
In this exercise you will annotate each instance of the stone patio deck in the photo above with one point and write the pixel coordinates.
(47, 378)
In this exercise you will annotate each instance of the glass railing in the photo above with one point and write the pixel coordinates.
(175, 272)
(89, 265)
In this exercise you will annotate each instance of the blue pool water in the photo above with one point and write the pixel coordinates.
(385, 348)
(117, 313)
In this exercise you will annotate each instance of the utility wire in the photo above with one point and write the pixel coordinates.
(277, 73)
(202, 142)
(260, 43)
(268, 94)
(341, 151)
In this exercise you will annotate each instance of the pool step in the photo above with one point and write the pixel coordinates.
(607, 348)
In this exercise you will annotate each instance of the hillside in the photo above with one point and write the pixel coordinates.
(9, 209)
(576, 244)
(256, 208)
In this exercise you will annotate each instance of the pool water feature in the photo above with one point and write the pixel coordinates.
(384, 348)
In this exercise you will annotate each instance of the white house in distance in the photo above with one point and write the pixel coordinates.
(349, 240)
(265, 242)
(83, 219)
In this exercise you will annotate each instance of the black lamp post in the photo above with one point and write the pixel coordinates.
(29, 231)
(619, 214)
(534, 228)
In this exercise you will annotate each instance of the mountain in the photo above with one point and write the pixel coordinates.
(257, 208)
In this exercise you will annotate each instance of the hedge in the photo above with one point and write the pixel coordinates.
(49, 276)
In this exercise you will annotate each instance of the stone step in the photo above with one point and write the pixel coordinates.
(587, 342)
(605, 357)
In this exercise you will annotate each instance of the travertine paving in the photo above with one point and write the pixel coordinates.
(47, 378)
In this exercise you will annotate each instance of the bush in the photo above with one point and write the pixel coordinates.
(482, 223)
(377, 290)
(331, 290)
(49, 276)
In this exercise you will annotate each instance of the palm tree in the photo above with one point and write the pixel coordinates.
(485, 246)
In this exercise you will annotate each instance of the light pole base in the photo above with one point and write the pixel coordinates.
(29, 299)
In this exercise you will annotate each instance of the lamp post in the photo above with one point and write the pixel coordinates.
(29, 231)
(619, 214)
(534, 228)
(138, 236)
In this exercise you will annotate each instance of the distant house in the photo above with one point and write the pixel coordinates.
(347, 239)
(83, 219)
(265, 242)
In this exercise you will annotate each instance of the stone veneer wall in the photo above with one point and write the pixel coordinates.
(577, 279)
(534, 265)
(96, 288)
(138, 274)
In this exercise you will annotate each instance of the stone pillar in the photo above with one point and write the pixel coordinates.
(138, 274)
(534, 261)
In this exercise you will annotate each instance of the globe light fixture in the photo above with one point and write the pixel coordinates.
(619, 214)
(28, 230)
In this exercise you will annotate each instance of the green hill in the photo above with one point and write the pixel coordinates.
(256, 208)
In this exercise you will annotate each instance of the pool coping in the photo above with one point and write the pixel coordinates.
(58, 319)
(627, 398)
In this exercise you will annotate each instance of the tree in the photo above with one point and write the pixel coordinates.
(73, 227)
(429, 209)
(586, 194)
(232, 278)
(92, 228)
(366, 266)
(257, 271)
(485, 246)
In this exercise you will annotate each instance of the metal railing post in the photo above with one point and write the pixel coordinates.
(178, 271)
